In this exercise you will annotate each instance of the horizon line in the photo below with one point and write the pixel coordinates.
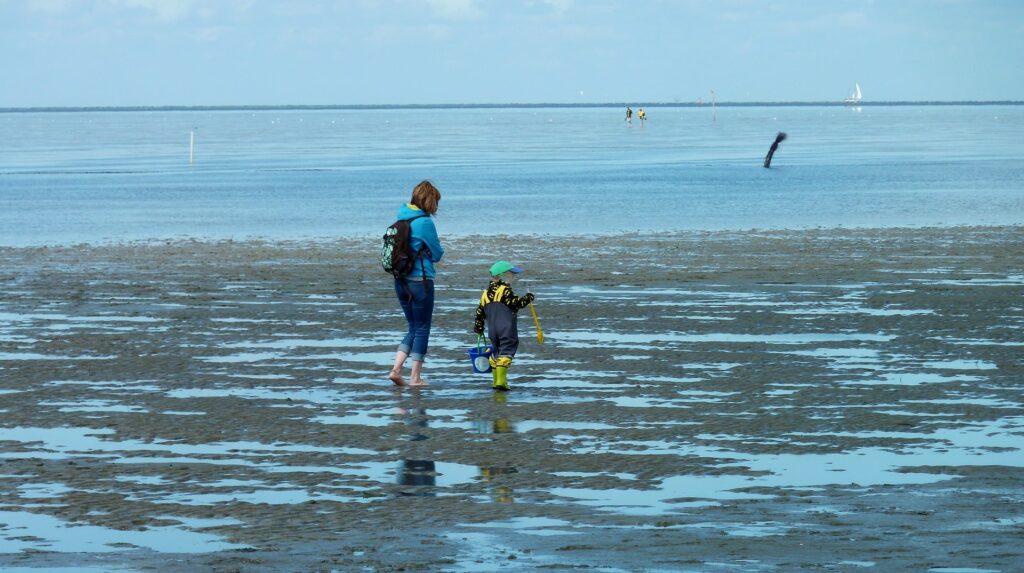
(299, 107)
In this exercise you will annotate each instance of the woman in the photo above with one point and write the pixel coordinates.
(415, 291)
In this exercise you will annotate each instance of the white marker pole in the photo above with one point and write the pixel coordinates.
(191, 147)
(714, 112)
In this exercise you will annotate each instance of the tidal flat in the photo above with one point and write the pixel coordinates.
(832, 399)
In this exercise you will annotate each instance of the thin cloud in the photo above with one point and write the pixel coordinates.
(455, 9)
(169, 11)
(559, 6)
(163, 10)
(52, 7)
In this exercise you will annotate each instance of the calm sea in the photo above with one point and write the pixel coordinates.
(69, 177)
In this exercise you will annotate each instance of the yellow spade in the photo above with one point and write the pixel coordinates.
(536, 322)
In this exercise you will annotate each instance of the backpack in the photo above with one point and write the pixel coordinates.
(396, 256)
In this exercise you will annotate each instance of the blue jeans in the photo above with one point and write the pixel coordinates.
(417, 300)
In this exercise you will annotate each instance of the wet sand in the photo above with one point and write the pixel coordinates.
(841, 400)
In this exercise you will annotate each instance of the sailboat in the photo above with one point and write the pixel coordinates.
(855, 97)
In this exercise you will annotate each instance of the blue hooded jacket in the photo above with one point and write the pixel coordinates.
(422, 233)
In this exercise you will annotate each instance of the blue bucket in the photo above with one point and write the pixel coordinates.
(478, 356)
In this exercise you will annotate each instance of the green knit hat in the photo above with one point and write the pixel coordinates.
(502, 267)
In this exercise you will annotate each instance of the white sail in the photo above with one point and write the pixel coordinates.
(855, 97)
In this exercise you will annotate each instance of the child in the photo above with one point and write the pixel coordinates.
(499, 307)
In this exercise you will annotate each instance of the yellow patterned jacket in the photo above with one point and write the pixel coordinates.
(499, 292)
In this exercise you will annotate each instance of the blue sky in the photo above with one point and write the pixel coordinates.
(271, 52)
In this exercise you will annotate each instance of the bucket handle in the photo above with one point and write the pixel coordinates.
(479, 344)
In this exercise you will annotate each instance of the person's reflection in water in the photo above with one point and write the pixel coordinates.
(490, 474)
(500, 424)
(416, 472)
(499, 493)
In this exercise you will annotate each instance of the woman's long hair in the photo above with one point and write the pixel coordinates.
(426, 196)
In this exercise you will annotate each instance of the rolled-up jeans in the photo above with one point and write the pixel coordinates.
(417, 300)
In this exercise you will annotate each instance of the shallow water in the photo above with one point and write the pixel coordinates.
(629, 421)
(51, 534)
(86, 177)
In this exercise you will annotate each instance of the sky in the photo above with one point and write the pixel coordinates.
(74, 53)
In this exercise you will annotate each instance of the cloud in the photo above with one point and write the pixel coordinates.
(164, 10)
(52, 7)
(168, 11)
(559, 6)
(455, 9)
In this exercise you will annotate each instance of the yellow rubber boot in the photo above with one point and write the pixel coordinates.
(500, 378)
(499, 371)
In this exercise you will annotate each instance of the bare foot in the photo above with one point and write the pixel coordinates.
(396, 377)
(418, 382)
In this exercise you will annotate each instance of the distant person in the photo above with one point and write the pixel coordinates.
(415, 289)
(499, 308)
(641, 115)
(629, 116)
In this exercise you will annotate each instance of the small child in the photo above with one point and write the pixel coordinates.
(499, 307)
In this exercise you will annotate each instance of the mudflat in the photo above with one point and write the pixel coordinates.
(840, 400)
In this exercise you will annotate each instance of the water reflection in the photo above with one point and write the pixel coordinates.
(413, 471)
(501, 423)
(492, 475)
(416, 419)
(417, 473)
(499, 493)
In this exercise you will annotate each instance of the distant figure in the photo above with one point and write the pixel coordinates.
(775, 145)
(629, 116)
(641, 115)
